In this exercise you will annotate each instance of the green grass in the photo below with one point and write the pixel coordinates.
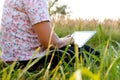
(106, 40)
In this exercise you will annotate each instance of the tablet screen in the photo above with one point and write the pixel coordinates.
(81, 37)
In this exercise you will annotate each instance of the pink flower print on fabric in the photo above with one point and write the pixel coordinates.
(18, 39)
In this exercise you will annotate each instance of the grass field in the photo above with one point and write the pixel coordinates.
(106, 40)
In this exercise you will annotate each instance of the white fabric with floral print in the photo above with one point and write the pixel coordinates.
(18, 39)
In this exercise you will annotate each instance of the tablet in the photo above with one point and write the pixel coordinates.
(81, 37)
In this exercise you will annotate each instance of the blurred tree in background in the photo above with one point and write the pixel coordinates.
(54, 8)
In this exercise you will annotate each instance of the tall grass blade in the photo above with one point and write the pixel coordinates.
(11, 70)
(104, 56)
(76, 57)
(114, 61)
(62, 72)
(46, 77)
(101, 33)
(4, 73)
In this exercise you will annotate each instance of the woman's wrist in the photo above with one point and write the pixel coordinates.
(64, 41)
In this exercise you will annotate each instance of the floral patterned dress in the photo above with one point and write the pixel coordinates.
(18, 40)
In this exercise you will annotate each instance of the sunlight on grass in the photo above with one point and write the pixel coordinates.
(93, 76)
(76, 75)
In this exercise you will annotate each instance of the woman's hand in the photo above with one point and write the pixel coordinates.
(65, 41)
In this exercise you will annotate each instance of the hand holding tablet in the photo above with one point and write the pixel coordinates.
(81, 37)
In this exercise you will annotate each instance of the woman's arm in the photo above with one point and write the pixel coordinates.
(43, 30)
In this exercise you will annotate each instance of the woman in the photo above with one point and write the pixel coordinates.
(25, 27)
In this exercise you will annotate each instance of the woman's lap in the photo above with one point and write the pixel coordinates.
(68, 51)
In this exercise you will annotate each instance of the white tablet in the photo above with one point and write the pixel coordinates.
(81, 37)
